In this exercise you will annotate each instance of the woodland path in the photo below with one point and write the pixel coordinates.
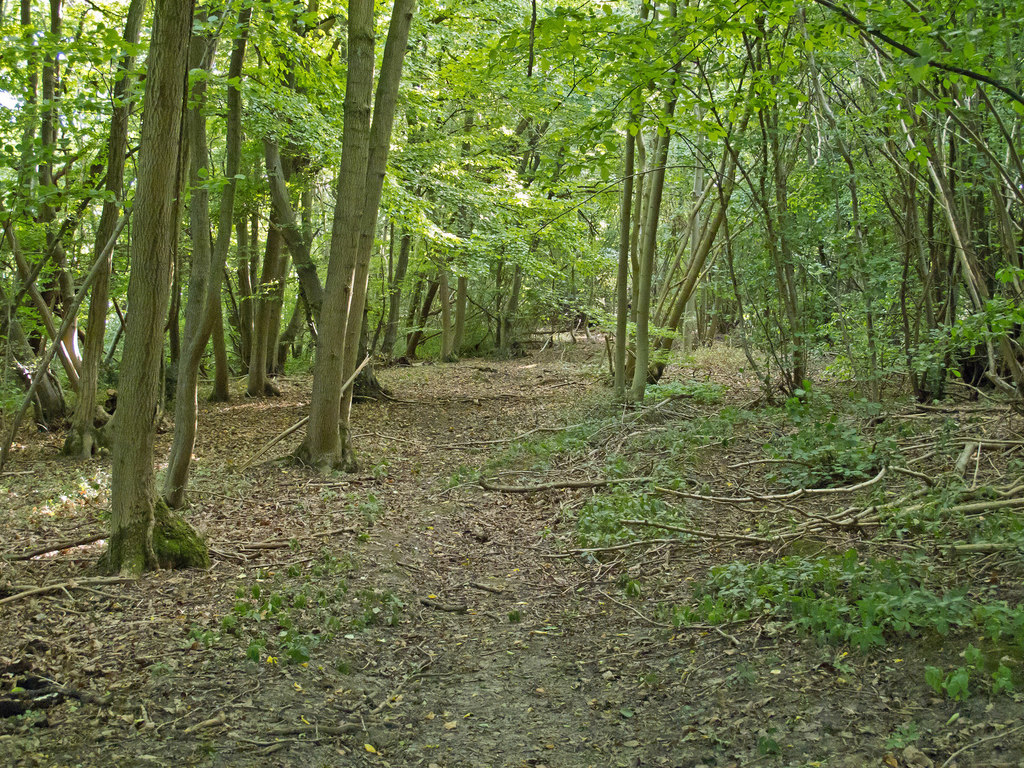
(463, 638)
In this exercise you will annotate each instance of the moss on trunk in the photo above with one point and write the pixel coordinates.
(157, 538)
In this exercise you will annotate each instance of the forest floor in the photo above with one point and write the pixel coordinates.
(408, 616)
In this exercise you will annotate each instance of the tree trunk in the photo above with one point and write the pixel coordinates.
(622, 274)
(291, 333)
(48, 404)
(221, 372)
(186, 407)
(461, 300)
(642, 297)
(144, 533)
(417, 334)
(508, 342)
(294, 237)
(322, 446)
(276, 309)
(384, 105)
(395, 297)
(85, 436)
(258, 384)
(246, 300)
(446, 315)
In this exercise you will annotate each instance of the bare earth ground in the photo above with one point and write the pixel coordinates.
(405, 617)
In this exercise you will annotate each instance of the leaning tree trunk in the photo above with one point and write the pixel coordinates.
(86, 436)
(144, 533)
(48, 401)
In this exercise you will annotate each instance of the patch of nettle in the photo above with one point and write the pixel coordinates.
(865, 603)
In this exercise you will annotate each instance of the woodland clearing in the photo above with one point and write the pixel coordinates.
(407, 615)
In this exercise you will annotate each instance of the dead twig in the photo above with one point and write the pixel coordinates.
(559, 485)
(952, 758)
(285, 543)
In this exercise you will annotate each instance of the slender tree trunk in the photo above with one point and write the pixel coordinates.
(508, 314)
(385, 103)
(221, 372)
(246, 300)
(85, 436)
(186, 407)
(291, 332)
(276, 309)
(622, 275)
(322, 446)
(25, 272)
(642, 297)
(417, 334)
(395, 297)
(144, 533)
(49, 404)
(298, 245)
(461, 300)
(258, 383)
(446, 315)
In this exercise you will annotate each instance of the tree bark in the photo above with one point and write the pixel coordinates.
(322, 446)
(461, 300)
(85, 436)
(395, 297)
(446, 314)
(384, 105)
(417, 334)
(258, 383)
(622, 274)
(144, 533)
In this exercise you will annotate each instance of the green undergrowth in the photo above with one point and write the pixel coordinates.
(701, 392)
(283, 616)
(598, 522)
(868, 603)
(825, 445)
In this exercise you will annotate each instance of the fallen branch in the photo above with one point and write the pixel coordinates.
(952, 758)
(789, 496)
(701, 534)
(559, 485)
(220, 719)
(55, 548)
(446, 607)
(474, 443)
(965, 457)
(984, 547)
(64, 585)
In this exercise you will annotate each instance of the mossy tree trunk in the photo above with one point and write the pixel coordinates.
(144, 534)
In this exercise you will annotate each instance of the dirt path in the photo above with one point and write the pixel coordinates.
(404, 616)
